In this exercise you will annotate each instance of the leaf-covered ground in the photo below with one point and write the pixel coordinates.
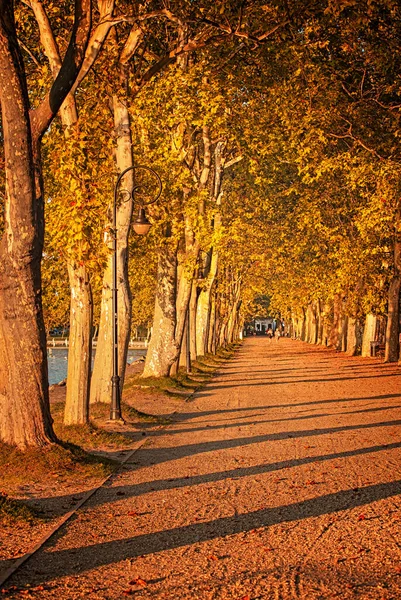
(279, 480)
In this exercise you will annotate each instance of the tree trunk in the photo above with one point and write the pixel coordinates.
(184, 350)
(203, 318)
(24, 401)
(353, 336)
(192, 320)
(184, 289)
(326, 324)
(103, 367)
(319, 338)
(369, 334)
(343, 330)
(392, 352)
(334, 337)
(162, 351)
(79, 365)
(211, 338)
(80, 347)
(311, 327)
(303, 326)
(182, 302)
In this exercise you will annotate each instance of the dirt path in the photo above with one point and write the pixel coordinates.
(281, 480)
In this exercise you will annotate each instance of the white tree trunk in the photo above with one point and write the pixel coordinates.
(353, 336)
(203, 308)
(192, 319)
(103, 367)
(80, 346)
(162, 350)
(369, 334)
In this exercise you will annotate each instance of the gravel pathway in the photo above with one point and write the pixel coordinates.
(280, 480)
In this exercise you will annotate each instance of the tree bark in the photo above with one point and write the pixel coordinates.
(192, 320)
(24, 401)
(203, 316)
(80, 342)
(326, 324)
(392, 351)
(343, 331)
(103, 367)
(334, 337)
(211, 339)
(369, 334)
(158, 360)
(319, 339)
(80, 347)
(353, 337)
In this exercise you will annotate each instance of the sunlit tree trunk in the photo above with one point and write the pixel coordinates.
(343, 331)
(24, 401)
(334, 338)
(211, 340)
(203, 311)
(185, 279)
(353, 336)
(80, 341)
(183, 359)
(392, 352)
(233, 312)
(192, 319)
(311, 324)
(103, 367)
(319, 338)
(369, 334)
(326, 324)
(303, 326)
(162, 350)
(203, 308)
(80, 346)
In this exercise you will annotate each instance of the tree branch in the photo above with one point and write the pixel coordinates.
(68, 73)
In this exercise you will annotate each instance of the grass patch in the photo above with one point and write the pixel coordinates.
(201, 371)
(12, 511)
(91, 437)
(15, 510)
(53, 461)
(165, 385)
(137, 415)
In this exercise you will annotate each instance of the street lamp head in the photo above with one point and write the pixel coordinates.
(142, 224)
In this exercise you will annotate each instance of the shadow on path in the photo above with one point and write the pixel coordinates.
(110, 494)
(77, 560)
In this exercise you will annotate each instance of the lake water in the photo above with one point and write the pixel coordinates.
(57, 359)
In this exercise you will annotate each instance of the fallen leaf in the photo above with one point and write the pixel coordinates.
(132, 513)
(361, 517)
(138, 581)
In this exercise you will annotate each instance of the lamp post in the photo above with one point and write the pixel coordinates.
(141, 226)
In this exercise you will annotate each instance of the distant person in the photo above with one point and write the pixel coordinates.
(277, 334)
(270, 334)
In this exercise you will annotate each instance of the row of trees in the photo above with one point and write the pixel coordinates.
(274, 130)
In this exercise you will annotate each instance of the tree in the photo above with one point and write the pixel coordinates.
(24, 402)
